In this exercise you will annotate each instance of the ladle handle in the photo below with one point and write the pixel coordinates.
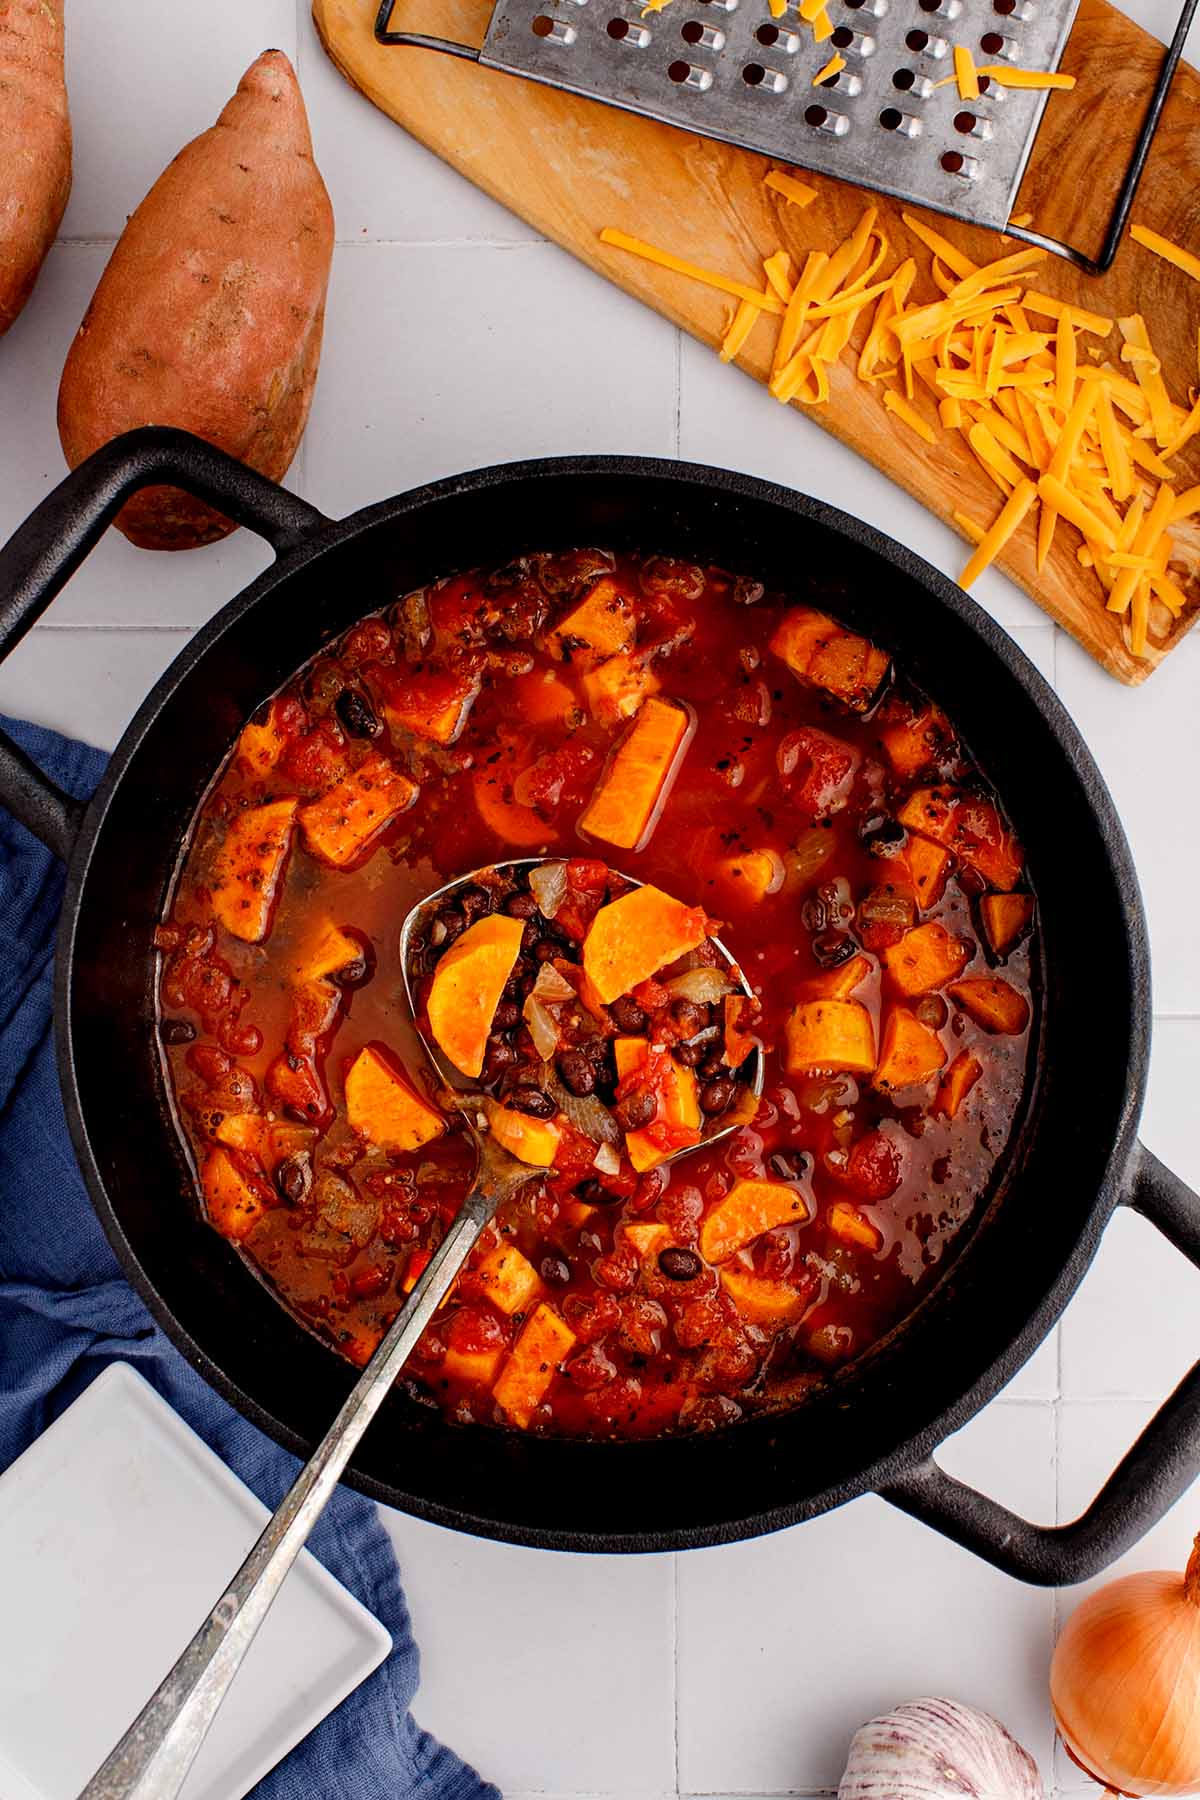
(152, 1759)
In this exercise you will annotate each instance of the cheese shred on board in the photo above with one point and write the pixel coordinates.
(1065, 411)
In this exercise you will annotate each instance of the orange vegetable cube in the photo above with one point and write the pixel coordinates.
(638, 776)
(260, 746)
(383, 1106)
(517, 827)
(840, 983)
(600, 626)
(509, 1279)
(467, 985)
(647, 1240)
(821, 652)
(992, 1003)
(957, 1083)
(926, 958)
(343, 824)
(741, 1016)
(268, 1141)
(325, 953)
(533, 1141)
(910, 1054)
(752, 875)
(236, 1197)
(679, 1099)
(248, 868)
(772, 1304)
(433, 705)
(853, 1227)
(634, 936)
(971, 827)
(749, 1209)
(912, 740)
(616, 688)
(534, 1361)
(924, 867)
(474, 1368)
(1006, 917)
(829, 1035)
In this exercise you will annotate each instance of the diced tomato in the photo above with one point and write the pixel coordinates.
(475, 1329)
(875, 1167)
(817, 770)
(314, 762)
(369, 1283)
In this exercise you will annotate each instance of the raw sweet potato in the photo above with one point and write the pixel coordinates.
(994, 1004)
(969, 826)
(1006, 917)
(384, 1107)
(509, 1279)
(325, 953)
(616, 689)
(957, 1083)
(635, 936)
(210, 312)
(633, 789)
(819, 651)
(343, 824)
(35, 144)
(836, 1036)
(248, 866)
(467, 985)
(853, 1227)
(910, 1053)
(235, 1196)
(533, 1141)
(601, 625)
(925, 959)
(749, 1209)
(678, 1100)
(772, 1304)
(544, 1342)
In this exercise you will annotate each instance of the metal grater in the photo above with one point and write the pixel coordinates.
(727, 69)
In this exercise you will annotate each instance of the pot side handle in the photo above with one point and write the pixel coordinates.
(1146, 1483)
(45, 551)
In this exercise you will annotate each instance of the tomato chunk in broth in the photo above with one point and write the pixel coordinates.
(767, 774)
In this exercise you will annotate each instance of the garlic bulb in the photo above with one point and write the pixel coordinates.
(928, 1749)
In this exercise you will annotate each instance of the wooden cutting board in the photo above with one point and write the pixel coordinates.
(570, 167)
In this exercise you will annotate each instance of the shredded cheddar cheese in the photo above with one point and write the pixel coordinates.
(1024, 78)
(896, 403)
(741, 325)
(1172, 253)
(833, 67)
(993, 540)
(798, 192)
(620, 240)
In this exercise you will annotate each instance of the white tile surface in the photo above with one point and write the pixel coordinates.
(455, 339)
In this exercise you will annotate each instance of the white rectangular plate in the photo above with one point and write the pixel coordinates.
(118, 1529)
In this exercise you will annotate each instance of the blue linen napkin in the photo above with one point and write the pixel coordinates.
(66, 1310)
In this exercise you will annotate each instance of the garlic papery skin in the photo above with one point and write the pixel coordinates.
(1125, 1683)
(938, 1750)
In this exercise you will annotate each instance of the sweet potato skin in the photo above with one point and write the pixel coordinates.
(210, 312)
(35, 145)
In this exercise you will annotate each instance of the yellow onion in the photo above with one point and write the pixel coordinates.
(1125, 1683)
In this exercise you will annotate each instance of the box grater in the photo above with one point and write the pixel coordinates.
(729, 69)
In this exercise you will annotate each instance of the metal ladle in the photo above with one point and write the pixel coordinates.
(152, 1759)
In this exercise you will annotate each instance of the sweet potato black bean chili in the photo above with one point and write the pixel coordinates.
(764, 772)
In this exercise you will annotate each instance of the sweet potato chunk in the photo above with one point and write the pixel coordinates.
(235, 1196)
(910, 1052)
(912, 739)
(830, 1035)
(509, 1279)
(678, 1097)
(956, 1084)
(382, 1105)
(1006, 917)
(325, 953)
(772, 1304)
(268, 1141)
(632, 791)
(516, 827)
(248, 868)
(971, 827)
(839, 983)
(602, 625)
(433, 705)
(261, 745)
(853, 1227)
(533, 1141)
(992, 1003)
(467, 985)
(924, 867)
(752, 875)
(925, 959)
(819, 651)
(476, 1368)
(633, 937)
(616, 688)
(342, 825)
(647, 1240)
(749, 1209)
(535, 1359)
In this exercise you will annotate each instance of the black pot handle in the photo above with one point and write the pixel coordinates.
(46, 550)
(1161, 1466)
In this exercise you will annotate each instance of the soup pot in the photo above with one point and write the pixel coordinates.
(1073, 1158)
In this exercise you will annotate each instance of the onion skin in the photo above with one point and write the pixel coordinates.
(1125, 1683)
(938, 1750)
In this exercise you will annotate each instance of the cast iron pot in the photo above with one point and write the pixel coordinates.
(1073, 1160)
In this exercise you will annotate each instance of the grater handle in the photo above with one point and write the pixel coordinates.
(418, 39)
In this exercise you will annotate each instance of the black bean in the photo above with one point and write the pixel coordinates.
(627, 1016)
(506, 1015)
(521, 978)
(594, 1193)
(713, 1065)
(636, 1110)
(690, 1055)
(476, 901)
(500, 1055)
(556, 1270)
(544, 951)
(878, 833)
(453, 922)
(177, 1031)
(533, 1101)
(294, 1177)
(678, 1264)
(716, 1095)
(577, 1072)
(531, 937)
(689, 1016)
(520, 906)
(357, 715)
(832, 947)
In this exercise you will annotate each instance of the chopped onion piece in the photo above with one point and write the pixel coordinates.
(702, 986)
(585, 1112)
(606, 1161)
(551, 985)
(548, 885)
(542, 1028)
